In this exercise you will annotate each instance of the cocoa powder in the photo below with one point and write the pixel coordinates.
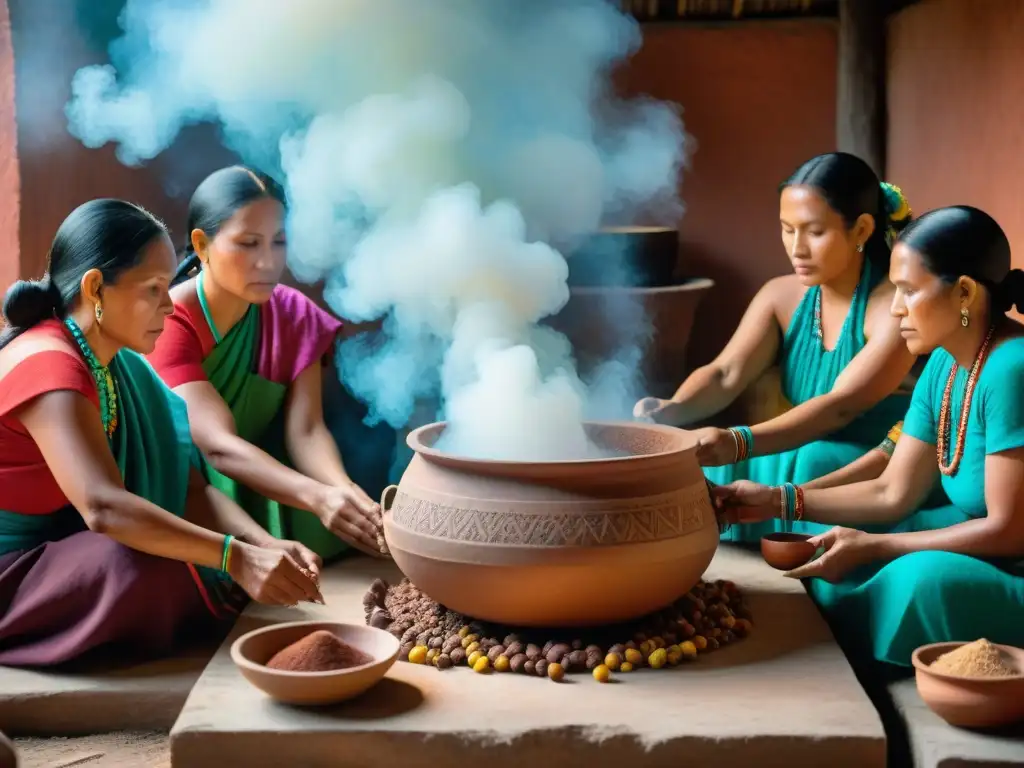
(319, 651)
(977, 659)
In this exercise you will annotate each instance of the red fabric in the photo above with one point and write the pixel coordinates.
(26, 484)
(183, 345)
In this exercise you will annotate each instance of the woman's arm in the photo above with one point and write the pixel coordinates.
(310, 444)
(868, 467)
(70, 436)
(873, 374)
(751, 350)
(890, 497)
(214, 431)
(209, 508)
(999, 534)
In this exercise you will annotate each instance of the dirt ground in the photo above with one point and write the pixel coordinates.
(111, 750)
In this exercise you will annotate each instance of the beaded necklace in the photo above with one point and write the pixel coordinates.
(945, 426)
(817, 313)
(104, 381)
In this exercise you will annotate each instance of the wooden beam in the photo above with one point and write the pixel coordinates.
(860, 95)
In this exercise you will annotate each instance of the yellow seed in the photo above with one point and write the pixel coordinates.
(418, 655)
(700, 642)
(555, 672)
(482, 664)
(472, 647)
(675, 657)
(464, 631)
(633, 656)
(657, 658)
(688, 648)
(501, 663)
(602, 673)
(646, 647)
(474, 657)
(626, 667)
(432, 654)
(612, 661)
(468, 640)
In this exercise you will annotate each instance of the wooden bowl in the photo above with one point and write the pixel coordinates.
(970, 702)
(786, 551)
(254, 649)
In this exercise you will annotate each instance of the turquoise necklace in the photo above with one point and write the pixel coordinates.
(104, 381)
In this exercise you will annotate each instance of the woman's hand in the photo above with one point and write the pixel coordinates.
(352, 516)
(746, 502)
(271, 575)
(715, 446)
(301, 554)
(658, 411)
(845, 550)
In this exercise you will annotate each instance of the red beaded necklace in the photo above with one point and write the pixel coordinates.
(942, 443)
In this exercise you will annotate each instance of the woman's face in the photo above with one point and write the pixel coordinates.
(135, 306)
(247, 256)
(928, 307)
(819, 244)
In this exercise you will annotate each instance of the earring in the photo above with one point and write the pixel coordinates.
(860, 248)
(99, 312)
(965, 317)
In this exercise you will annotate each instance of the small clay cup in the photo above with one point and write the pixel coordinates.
(970, 702)
(786, 551)
(254, 649)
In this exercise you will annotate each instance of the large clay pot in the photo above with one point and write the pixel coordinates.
(569, 543)
(642, 257)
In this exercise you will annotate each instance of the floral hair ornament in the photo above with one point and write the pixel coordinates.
(898, 208)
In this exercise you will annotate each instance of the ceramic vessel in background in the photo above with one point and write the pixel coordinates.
(253, 650)
(970, 702)
(786, 551)
(561, 543)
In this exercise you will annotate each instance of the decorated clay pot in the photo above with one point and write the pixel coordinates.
(562, 543)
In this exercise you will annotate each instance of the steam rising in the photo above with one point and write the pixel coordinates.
(435, 155)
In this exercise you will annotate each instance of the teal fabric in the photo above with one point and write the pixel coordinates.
(928, 597)
(809, 370)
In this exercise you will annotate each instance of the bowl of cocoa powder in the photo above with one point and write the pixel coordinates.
(315, 662)
(972, 685)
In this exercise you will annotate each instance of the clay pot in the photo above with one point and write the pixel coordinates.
(970, 702)
(641, 257)
(786, 551)
(564, 543)
(253, 650)
(602, 322)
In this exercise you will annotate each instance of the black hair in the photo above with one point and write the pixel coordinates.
(962, 241)
(851, 189)
(108, 235)
(219, 197)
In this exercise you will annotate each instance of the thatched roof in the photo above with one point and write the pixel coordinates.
(726, 10)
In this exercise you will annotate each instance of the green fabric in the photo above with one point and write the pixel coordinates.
(808, 370)
(154, 452)
(257, 406)
(927, 597)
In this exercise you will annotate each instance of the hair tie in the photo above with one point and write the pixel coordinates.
(897, 209)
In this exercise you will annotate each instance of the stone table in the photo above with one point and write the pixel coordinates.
(783, 697)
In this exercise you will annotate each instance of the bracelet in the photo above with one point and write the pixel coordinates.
(799, 511)
(225, 556)
(744, 440)
(787, 502)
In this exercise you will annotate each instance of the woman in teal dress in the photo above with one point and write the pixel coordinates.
(946, 573)
(827, 327)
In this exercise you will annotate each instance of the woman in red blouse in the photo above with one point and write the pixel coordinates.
(108, 532)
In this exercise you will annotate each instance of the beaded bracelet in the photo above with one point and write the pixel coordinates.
(790, 499)
(799, 510)
(225, 556)
(744, 440)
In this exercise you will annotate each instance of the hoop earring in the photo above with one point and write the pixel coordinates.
(965, 317)
(99, 312)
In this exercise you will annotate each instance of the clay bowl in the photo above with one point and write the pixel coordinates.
(786, 551)
(970, 702)
(559, 543)
(253, 650)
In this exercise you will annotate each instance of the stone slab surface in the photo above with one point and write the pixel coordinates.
(783, 697)
(136, 697)
(935, 744)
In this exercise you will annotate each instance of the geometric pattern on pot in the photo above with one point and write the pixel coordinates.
(640, 522)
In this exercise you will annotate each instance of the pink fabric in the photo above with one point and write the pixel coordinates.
(294, 334)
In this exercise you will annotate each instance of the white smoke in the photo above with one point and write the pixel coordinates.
(432, 152)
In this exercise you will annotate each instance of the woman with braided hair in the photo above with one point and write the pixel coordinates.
(827, 327)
